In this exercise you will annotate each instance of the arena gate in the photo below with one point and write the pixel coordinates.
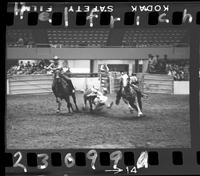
(114, 78)
(104, 79)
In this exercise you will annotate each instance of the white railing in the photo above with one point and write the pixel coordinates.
(35, 84)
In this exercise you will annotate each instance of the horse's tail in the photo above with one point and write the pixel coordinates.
(118, 97)
(85, 99)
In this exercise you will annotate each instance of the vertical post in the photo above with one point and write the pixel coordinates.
(194, 88)
(86, 83)
(130, 69)
(8, 86)
(133, 66)
(91, 66)
(136, 65)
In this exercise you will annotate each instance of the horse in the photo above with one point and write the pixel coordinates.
(129, 96)
(62, 90)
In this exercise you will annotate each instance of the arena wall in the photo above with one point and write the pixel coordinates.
(182, 87)
(96, 53)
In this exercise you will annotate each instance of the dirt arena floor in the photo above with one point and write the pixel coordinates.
(32, 123)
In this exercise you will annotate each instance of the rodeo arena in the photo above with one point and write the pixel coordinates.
(97, 87)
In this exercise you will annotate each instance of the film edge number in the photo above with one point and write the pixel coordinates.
(69, 161)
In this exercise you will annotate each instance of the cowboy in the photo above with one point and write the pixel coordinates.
(150, 63)
(104, 68)
(101, 98)
(58, 64)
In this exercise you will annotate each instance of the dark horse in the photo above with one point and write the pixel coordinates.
(129, 95)
(62, 90)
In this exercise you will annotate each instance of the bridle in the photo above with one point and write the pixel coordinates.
(57, 75)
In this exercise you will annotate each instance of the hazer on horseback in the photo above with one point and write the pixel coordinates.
(130, 95)
(62, 86)
(134, 83)
(58, 64)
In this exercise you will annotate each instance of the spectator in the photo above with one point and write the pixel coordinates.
(46, 62)
(169, 72)
(28, 64)
(20, 42)
(179, 72)
(41, 64)
(181, 75)
(21, 64)
(150, 63)
(155, 60)
(33, 67)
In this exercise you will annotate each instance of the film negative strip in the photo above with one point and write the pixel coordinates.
(129, 74)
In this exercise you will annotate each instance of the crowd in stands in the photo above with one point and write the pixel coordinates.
(30, 68)
(179, 71)
(21, 43)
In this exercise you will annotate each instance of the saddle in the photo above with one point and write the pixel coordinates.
(128, 92)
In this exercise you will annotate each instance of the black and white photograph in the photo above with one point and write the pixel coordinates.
(97, 87)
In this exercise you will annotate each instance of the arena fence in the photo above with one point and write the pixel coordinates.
(36, 84)
(158, 83)
(150, 83)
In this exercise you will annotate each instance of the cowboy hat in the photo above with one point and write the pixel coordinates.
(55, 57)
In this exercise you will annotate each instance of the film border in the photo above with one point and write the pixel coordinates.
(187, 153)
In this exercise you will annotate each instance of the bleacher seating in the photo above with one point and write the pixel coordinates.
(154, 37)
(14, 35)
(78, 38)
(150, 37)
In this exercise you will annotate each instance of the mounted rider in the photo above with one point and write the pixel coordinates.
(134, 83)
(125, 80)
(58, 64)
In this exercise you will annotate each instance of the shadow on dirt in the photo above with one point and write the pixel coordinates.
(128, 117)
(101, 114)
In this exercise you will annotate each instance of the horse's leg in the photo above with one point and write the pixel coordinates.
(109, 106)
(132, 107)
(138, 107)
(85, 101)
(129, 106)
(90, 102)
(74, 99)
(140, 101)
(58, 100)
(118, 97)
(69, 105)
